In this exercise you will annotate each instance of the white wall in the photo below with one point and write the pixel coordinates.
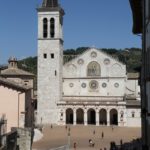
(136, 120)
(9, 104)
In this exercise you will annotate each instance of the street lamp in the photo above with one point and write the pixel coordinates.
(68, 137)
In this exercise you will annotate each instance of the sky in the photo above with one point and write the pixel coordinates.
(88, 23)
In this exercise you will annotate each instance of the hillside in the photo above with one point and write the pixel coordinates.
(131, 57)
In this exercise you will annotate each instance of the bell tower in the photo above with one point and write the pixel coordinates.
(50, 61)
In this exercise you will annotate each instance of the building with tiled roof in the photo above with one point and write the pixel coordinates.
(16, 103)
(16, 74)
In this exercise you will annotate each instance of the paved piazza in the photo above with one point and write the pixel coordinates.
(58, 136)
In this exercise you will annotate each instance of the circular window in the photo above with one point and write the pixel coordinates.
(106, 61)
(83, 85)
(104, 85)
(71, 84)
(93, 54)
(94, 85)
(80, 61)
(116, 85)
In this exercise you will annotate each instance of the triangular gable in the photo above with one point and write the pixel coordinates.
(77, 67)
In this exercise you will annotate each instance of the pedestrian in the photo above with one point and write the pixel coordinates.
(75, 145)
(51, 126)
(112, 128)
(66, 127)
(121, 142)
(91, 144)
(94, 132)
(102, 134)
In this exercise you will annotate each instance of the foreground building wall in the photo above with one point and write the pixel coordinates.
(13, 106)
(141, 25)
(16, 104)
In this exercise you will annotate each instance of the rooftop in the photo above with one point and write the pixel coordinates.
(12, 84)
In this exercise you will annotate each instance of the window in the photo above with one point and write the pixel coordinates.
(133, 114)
(45, 56)
(52, 27)
(52, 55)
(93, 69)
(45, 27)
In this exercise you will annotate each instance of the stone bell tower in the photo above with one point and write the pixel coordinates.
(50, 61)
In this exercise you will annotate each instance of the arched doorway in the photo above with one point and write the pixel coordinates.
(91, 116)
(80, 116)
(113, 117)
(103, 117)
(69, 116)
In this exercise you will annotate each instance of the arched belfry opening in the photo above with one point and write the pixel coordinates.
(91, 116)
(45, 27)
(69, 116)
(80, 116)
(52, 27)
(113, 117)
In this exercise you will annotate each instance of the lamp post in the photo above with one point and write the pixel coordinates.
(69, 138)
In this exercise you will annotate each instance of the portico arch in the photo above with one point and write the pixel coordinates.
(69, 116)
(113, 117)
(80, 116)
(91, 116)
(103, 117)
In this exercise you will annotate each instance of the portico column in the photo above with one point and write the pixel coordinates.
(108, 118)
(85, 117)
(74, 117)
(97, 118)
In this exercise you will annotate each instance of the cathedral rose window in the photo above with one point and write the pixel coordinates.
(93, 69)
(106, 61)
(104, 85)
(93, 85)
(93, 54)
(83, 85)
(116, 85)
(80, 61)
(71, 84)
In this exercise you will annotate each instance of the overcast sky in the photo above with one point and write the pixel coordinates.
(99, 23)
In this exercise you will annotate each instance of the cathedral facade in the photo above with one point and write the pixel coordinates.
(93, 88)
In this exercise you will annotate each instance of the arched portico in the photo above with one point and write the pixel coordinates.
(69, 116)
(103, 117)
(80, 116)
(91, 115)
(113, 117)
